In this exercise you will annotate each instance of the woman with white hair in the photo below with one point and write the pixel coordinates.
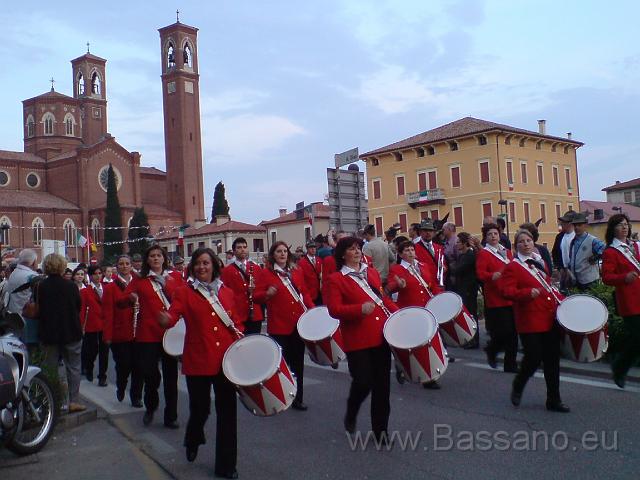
(527, 283)
(18, 292)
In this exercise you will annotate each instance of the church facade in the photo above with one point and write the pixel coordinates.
(56, 188)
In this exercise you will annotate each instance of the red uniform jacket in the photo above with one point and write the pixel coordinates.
(233, 278)
(344, 301)
(91, 310)
(283, 311)
(312, 272)
(413, 295)
(486, 265)
(532, 315)
(118, 321)
(615, 268)
(148, 329)
(207, 337)
(424, 256)
(329, 267)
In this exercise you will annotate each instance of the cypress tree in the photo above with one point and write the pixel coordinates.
(113, 218)
(220, 204)
(139, 219)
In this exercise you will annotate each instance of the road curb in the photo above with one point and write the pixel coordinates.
(67, 421)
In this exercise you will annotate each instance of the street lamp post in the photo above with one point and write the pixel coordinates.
(503, 205)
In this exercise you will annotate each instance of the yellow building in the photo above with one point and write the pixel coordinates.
(471, 169)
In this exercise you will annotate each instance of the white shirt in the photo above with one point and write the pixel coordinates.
(347, 270)
(565, 244)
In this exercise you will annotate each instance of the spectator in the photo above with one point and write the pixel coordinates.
(17, 292)
(467, 281)
(450, 252)
(584, 252)
(378, 251)
(560, 249)
(504, 238)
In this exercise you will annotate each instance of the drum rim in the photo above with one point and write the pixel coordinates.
(590, 331)
(330, 335)
(166, 334)
(437, 329)
(447, 294)
(271, 373)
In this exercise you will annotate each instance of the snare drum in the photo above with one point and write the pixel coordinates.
(173, 339)
(321, 334)
(412, 334)
(457, 326)
(255, 365)
(583, 319)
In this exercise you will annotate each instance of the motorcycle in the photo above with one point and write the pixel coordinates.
(28, 410)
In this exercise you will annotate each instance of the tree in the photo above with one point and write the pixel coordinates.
(113, 218)
(138, 242)
(220, 204)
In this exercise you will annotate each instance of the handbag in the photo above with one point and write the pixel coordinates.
(31, 309)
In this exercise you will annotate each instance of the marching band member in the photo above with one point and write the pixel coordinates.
(429, 252)
(311, 267)
(526, 283)
(153, 290)
(240, 276)
(92, 319)
(120, 331)
(207, 308)
(621, 268)
(355, 298)
(281, 287)
(498, 311)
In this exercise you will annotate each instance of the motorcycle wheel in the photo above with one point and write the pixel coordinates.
(32, 433)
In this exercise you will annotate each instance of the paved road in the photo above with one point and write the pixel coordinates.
(467, 430)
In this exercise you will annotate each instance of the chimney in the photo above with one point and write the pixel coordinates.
(282, 212)
(542, 127)
(222, 219)
(617, 182)
(569, 135)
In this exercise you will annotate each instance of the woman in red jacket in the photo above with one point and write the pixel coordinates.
(153, 290)
(201, 302)
(498, 312)
(621, 268)
(92, 321)
(281, 287)
(526, 283)
(120, 331)
(355, 297)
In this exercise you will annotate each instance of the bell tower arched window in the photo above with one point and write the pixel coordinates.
(69, 232)
(81, 89)
(96, 84)
(38, 227)
(48, 120)
(187, 56)
(69, 123)
(95, 230)
(171, 56)
(31, 126)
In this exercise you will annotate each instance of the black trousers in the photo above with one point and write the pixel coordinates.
(199, 388)
(501, 326)
(630, 347)
(370, 369)
(149, 354)
(92, 347)
(251, 327)
(293, 351)
(124, 356)
(540, 347)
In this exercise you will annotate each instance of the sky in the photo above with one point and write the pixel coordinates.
(285, 85)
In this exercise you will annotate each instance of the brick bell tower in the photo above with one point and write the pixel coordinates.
(90, 87)
(181, 103)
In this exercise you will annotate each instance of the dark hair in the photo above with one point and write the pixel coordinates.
(465, 238)
(501, 223)
(370, 230)
(144, 270)
(237, 241)
(403, 245)
(124, 255)
(415, 227)
(215, 261)
(611, 225)
(533, 229)
(76, 270)
(343, 245)
(489, 226)
(68, 270)
(400, 239)
(92, 269)
(272, 262)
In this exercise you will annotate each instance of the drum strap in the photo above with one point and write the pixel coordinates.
(214, 301)
(416, 274)
(364, 285)
(533, 271)
(284, 278)
(504, 259)
(158, 289)
(628, 254)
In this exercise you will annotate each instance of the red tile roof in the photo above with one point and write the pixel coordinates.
(152, 171)
(319, 211)
(460, 128)
(621, 185)
(35, 200)
(20, 156)
(52, 94)
(631, 211)
(212, 228)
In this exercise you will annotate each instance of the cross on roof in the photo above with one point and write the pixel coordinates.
(52, 82)
(87, 47)
(177, 16)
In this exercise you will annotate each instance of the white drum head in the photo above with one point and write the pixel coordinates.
(316, 324)
(582, 313)
(251, 360)
(173, 339)
(410, 327)
(445, 306)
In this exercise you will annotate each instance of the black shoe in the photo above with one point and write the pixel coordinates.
(511, 369)
(516, 397)
(147, 418)
(350, 425)
(491, 358)
(433, 385)
(137, 403)
(102, 383)
(619, 380)
(229, 474)
(400, 377)
(192, 453)
(120, 394)
(557, 407)
(172, 424)
(89, 377)
(299, 405)
(452, 359)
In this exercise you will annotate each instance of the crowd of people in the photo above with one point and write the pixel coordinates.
(362, 280)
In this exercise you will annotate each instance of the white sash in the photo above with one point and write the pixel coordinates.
(364, 285)
(158, 289)
(416, 274)
(217, 307)
(504, 260)
(287, 283)
(533, 271)
(628, 255)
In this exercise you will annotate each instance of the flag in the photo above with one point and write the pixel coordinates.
(92, 245)
(82, 240)
(181, 237)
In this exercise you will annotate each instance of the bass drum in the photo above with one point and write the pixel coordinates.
(320, 332)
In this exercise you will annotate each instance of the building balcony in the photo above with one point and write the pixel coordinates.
(432, 196)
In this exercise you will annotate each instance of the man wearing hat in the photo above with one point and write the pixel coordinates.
(584, 252)
(136, 263)
(178, 265)
(429, 252)
(560, 250)
(311, 266)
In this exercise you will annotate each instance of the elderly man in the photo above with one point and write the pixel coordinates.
(450, 252)
(584, 252)
(378, 251)
(18, 292)
(560, 250)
